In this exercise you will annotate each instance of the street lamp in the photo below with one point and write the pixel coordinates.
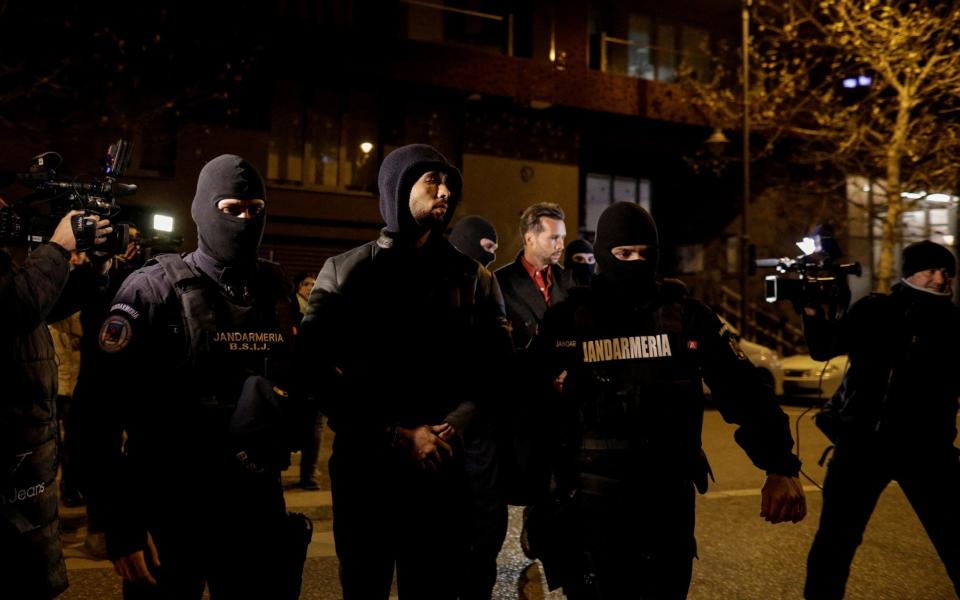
(744, 232)
(717, 143)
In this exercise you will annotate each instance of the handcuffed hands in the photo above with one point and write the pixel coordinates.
(428, 444)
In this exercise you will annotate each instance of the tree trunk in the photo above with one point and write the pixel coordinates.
(894, 204)
(891, 221)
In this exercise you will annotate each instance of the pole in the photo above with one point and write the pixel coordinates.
(745, 211)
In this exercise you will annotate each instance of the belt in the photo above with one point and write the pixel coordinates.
(601, 486)
(604, 444)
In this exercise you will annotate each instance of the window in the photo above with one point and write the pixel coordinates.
(732, 251)
(690, 258)
(323, 137)
(928, 216)
(694, 49)
(651, 48)
(486, 25)
(602, 190)
(154, 151)
(641, 59)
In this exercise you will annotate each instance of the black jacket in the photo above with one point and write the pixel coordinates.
(524, 302)
(395, 335)
(30, 296)
(174, 403)
(901, 383)
(633, 382)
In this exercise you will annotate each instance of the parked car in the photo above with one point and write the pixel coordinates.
(764, 358)
(804, 377)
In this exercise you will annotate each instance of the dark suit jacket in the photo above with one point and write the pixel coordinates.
(524, 302)
(525, 474)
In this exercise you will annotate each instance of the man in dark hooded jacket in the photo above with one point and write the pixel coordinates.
(402, 334)
(195, 371)
(628, 353)
(894, 418)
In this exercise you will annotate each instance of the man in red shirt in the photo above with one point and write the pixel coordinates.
(531, 283)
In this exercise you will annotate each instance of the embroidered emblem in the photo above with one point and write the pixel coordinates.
(115, 334)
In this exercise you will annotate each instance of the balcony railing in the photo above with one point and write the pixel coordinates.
(765, 325)
(430, 22)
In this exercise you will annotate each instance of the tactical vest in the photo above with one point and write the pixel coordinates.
(640, 395)
(203, 338)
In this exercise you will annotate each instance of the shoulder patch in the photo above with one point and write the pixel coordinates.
(123, 307)
(115, 333)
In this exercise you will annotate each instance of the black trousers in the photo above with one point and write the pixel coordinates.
(230, 534)
(637, 542)
(310, 452)
(488, 515)
(389, 513)
(856, 476)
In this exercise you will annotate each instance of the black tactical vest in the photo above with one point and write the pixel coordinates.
(232, 350)
(638, 390)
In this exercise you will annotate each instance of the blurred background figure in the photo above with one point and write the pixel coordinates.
(310, 453)
(477, 238)
(303, 283)
(579, 264)
(66, 335)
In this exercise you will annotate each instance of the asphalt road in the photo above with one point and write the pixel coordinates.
(741, 556)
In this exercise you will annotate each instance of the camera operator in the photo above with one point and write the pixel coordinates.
(894, 418)
(31, 555)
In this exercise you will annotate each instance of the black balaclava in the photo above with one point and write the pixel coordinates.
(466, 236)
(582, 273)
(627, 224)
(229, 240)
(399, 171)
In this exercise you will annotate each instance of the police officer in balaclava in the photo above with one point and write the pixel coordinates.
(628, 353)
(400, 326)
(476, 237)
(579, 263)
(230, 214)
(628, 250)
(196, 366)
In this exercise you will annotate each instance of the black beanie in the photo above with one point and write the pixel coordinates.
(466, 236)
(230, 240)
(926, 255)
(576, 247)
(627, 224)
(399, 171)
